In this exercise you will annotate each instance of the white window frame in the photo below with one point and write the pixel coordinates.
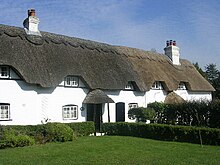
(157, 85)
(4, 111)
(129, 86)
(132, 105)
(4, 72)
(182, 86)
(70, 112)
(71, 81)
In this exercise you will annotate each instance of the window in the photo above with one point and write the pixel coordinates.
(157, 85)
(72, 81)
(129, 86)
(132, 105)
(5, 111)
(182, 86)
(4, 72)
(70, 112)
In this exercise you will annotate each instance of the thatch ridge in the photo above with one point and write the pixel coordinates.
(48, 59)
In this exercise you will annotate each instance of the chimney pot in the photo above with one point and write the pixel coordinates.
(167, 43)
(31, 12)
(174, 43)
(171, 42)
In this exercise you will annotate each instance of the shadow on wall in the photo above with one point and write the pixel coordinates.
(35, 87)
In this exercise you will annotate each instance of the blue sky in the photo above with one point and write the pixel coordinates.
(143, 24)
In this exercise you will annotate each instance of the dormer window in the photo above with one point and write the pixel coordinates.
(129, 86)
(4, 72)
(72, 81)
(182, 86)
(157, 85)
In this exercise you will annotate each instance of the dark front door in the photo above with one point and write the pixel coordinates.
(94, 113)
(120, 112)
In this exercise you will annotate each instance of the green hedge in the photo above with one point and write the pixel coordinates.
(83, 128)
(9, 138)
(19, 135)
(210, 136)
(194, 113)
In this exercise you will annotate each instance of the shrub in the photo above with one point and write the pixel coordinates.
(190, 134)
(141, 114)
(55, 132)
(83, 128)
(10, 139)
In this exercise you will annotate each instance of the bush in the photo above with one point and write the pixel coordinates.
(10, 139)
(190, 134)
(141, 114)
(83, 128)
(55, 132)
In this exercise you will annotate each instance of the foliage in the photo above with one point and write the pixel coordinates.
(43, 133)
(159, 109)
(194, 113)
(11, 139)
(56, 132)
(210, 136)
(83, 128)
(212, 74)
(141, 114)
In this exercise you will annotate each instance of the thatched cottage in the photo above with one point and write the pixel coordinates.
(49, 77)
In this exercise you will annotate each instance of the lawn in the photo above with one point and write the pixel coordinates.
(112, 150)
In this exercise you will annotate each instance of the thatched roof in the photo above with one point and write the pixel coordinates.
(48, 59)
(173, 98)
(97, 96)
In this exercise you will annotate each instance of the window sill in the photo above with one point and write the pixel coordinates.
(5, 119)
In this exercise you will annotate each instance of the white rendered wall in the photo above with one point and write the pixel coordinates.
(24, 102)
(141, 98)
(52, 104)
(197, 96)
(32, 104)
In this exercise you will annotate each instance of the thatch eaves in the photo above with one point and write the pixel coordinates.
(48, 59)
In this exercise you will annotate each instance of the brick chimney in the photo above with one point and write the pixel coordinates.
(31, 23)
(173, 52)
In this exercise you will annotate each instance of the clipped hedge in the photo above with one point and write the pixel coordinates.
(210, 136)
(83, 128)
(9, 138)
(20, 135)
(56, 132)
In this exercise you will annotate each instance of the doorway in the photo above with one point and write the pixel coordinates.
(120, 112)
(94, 113)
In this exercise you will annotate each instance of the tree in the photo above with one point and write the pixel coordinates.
(213, 76)
(212, 73)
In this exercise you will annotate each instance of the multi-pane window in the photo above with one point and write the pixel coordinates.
(129, 86)
(132, 105)
(182, 86)
(4, 111)
(72, 81)
(70, 112)
(4, 72)
(157, 85)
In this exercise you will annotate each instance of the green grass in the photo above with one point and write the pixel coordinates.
(112, 150)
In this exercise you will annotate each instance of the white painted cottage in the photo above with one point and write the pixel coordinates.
(49, 77)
